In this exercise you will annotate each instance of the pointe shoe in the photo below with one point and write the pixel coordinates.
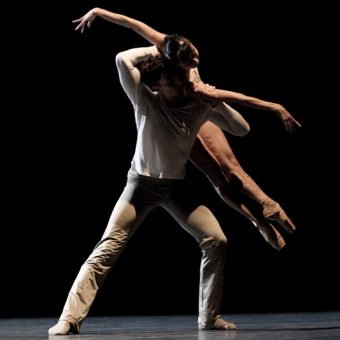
(63, 327)
(278, 215)
(219, 324)
(270, 234)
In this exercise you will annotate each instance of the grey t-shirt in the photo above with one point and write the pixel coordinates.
(165, 135)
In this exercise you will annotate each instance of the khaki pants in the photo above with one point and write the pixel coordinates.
(141, 194)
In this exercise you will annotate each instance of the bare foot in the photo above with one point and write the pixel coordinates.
(63, 327)
(220, 324)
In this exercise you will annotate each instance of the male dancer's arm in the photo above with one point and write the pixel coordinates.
(222, 115)
(129, 74)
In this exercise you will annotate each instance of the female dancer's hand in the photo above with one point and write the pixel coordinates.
(85, 21)
(289, 122)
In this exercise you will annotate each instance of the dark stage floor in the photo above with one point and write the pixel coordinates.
(320, 325)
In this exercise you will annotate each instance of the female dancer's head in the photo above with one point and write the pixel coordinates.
(160, 73)
(181, 50)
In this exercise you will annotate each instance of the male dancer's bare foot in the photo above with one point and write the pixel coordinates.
(62, 328)
(219, 324)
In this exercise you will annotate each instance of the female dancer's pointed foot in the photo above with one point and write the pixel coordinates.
(277, 214)
(271, 235)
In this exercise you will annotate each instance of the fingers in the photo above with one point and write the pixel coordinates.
(81, 26)
(293, 121)
(297, 123)
(291, 124)
(76, 21)
(209, 87)
(288, 125)
(83, 21)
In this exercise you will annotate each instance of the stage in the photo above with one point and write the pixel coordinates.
(309, 325)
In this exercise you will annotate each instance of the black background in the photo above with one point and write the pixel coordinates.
(74, 137)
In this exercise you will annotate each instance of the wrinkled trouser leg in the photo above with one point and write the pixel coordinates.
(199, 221)
(127, 214)
(140, 195)
(211, 280)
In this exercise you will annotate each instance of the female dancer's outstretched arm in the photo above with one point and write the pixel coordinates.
(150, 34)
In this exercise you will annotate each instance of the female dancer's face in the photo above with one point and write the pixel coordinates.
(189, 58)
(181, 50)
